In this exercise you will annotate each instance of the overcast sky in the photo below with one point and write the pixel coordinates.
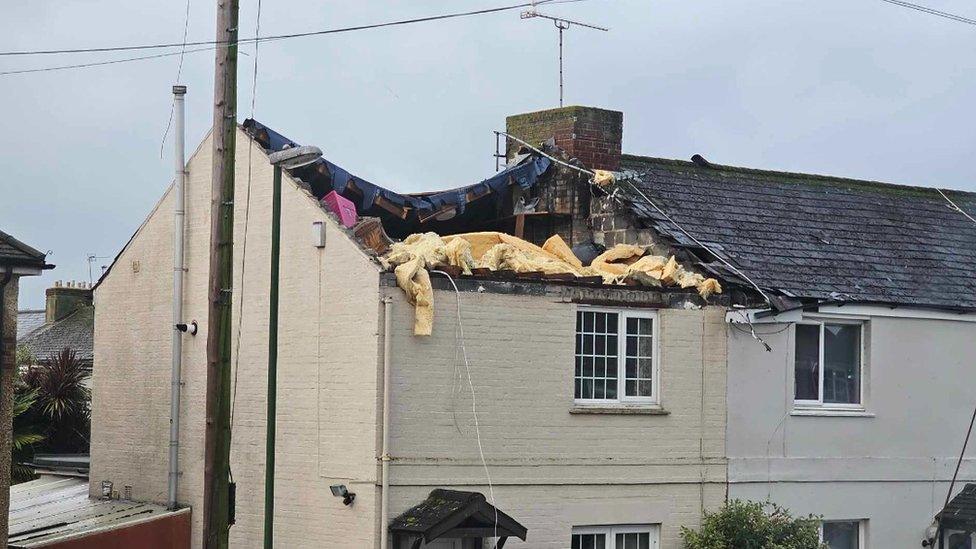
(857, 88)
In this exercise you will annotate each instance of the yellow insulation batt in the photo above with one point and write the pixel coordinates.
(622, 264)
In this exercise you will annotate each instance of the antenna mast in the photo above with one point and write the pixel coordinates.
(561, 24)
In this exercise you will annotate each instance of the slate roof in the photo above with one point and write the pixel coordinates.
(75, 331)
(445, 510)
(961, 511)
(29, 320)
(817, 237)
(15, 252)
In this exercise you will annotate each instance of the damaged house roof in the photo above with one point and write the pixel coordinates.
(444, 212)
(815, 237)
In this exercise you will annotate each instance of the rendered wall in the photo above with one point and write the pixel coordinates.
(551, 469)
(327, 365)
(890, 467)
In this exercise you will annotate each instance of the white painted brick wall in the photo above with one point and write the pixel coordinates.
(327, 366)
(553, 470)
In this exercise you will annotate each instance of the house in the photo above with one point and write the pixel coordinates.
(16, 260)
(584, 410)
(66, 322)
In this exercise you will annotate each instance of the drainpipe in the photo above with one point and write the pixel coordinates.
(179, 215)
(385, 456)
(7, 275)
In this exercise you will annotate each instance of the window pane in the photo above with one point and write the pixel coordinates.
(635, 540)
(589, 541)
(841, 535)
(807, 362)
(596, 355)
(640, 353)
(842, 363)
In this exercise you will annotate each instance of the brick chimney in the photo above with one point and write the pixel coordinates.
(63, 299)
(591, 135)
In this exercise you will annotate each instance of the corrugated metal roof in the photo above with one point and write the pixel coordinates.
(52, 508)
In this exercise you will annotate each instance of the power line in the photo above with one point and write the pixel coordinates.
(932, 11)
(283, 36)
(102, 63)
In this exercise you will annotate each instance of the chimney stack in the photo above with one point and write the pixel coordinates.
(591, 135)
(63, 299)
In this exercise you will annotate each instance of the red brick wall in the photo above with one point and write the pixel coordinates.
(591, 135)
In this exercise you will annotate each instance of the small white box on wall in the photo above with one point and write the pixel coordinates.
(318, 234)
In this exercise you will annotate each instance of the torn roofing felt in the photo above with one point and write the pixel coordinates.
(444, 212)
(814, 237)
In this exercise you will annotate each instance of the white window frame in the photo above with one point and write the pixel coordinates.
(611, 532)
(622, 400)
(861, 530)
(862, 370)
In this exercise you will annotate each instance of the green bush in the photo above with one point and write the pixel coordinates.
(751, 525)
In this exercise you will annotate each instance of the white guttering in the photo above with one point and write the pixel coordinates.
(179, 215)
(385, 456)
(850, 310)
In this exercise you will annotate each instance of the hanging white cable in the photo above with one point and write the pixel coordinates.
(179, 74)
(459, 342)
(955, 206)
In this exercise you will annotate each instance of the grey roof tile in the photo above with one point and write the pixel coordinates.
(13, 251)
(29, 320)
(812, 235)
(75, 331)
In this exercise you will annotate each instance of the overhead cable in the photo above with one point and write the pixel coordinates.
(278, 36)
(932, 11)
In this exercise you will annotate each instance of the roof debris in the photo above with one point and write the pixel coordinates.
(623, 264)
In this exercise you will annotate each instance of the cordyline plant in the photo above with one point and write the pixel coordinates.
(25, 436)
(752, 525)
(62, 402)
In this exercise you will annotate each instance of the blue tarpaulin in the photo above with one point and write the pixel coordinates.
(324, 176)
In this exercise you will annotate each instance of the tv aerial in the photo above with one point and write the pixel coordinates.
(561, 24)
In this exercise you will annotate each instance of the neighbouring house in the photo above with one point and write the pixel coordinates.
(66, 322)
(607, 411)
(16, 260)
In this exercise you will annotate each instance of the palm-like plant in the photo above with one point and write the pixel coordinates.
(62, 400)
(25, 435)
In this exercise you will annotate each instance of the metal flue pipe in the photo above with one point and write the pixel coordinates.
(179, 216)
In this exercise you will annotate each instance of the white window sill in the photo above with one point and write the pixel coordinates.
(831, 412)
(619, 409)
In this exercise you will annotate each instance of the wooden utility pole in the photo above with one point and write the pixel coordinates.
(216, 489)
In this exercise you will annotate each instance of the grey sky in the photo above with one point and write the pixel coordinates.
(857, 88)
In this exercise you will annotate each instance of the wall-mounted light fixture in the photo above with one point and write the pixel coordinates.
(340, 491)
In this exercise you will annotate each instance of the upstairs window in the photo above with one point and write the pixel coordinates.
(616, 537)
(616, 357)
(828, 364)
